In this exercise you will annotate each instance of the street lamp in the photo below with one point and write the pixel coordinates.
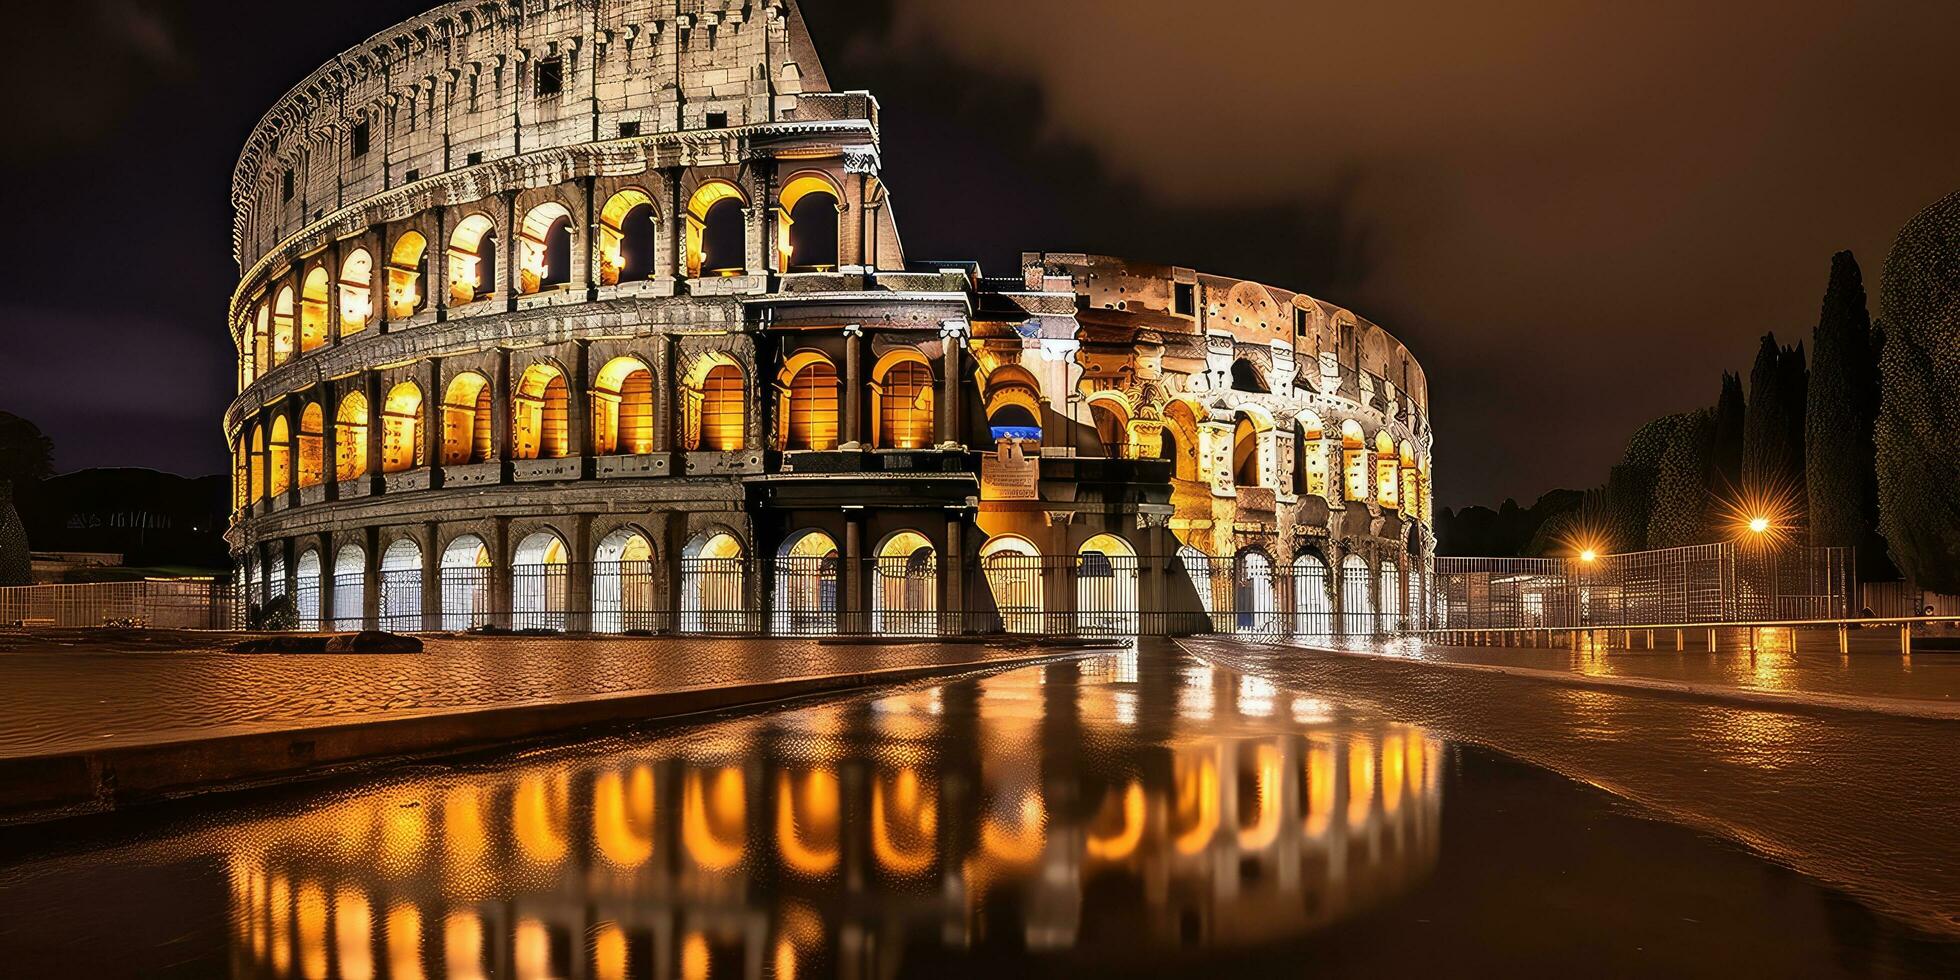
(1588, 556)
(1759, 525)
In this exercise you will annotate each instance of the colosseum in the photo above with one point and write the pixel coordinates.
(594, 315)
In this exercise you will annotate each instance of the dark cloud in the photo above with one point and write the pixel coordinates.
(1576, 214)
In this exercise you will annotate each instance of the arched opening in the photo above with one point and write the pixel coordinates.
(280, 455)
(1106, 587)
(465, 582)
(241, 473)
(275, 579)
(401, 429)
(623, 594)
(1014, 407)
(1357, 609)
(539, 582)
(350, 426)
(472, 260)
(350, 587)
(622, 408)
(544, 249)
(1112, 420)
(258, 464)
(806, 584)
(408, 270)
(1246, 377)
(905, 593)
(1389, 589)
(1247, 466)
(1181, 439)
(626, 240)
(466, 422)
(808, 225)
(1386, 484)
(1197, 568)
(262, 339)
(356, 292)
(1013, 567)
(1310, 456)
(719, 416)
(540, 413)
(716, 239)
(1410, 482)
(1254, 602)
(312, 445)
(282, 327)
(248, 371)
(811, 419)
(1313, 609)
(401, 586)
(306, 593)
(902, 399)
(712, 584)
(1354, 461)
(313, 299)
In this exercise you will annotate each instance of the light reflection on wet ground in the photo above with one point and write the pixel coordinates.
(1131, 813)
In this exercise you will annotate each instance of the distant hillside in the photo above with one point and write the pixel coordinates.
(155, 520)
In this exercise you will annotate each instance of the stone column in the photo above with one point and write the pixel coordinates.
(672, 263)
(329, 440)
(435, 285)
(590, 253)
(294, 419)
(952, 578)
(377, 429)
(850, 605)
(432, 578)
(500, 572)
(578, 407)
(508, 274)
(502, 407)
(432, 421)
(663, 394)
(578, 584)
(371, 579)
(952, 338)
(852, 436)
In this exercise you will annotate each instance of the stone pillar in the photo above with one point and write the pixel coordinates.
(672, 263)
(952, 577)
(676, 536)
(371, 579)
(333, 262)
(952, 338)
(435, 285)
(1153, 592)
(432, 421)
(663, 394)
(850, 605)
(500, 572)
(329, 440)
(592, 238)
(377, 429)
(852, 438)
(432, 578)
(294, 419)
(578, 583)
(502, 408)
(578, 408)
(508, 275)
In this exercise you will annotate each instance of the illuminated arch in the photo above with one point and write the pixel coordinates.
(540, 414)
(623, 594)
(1387, 490)
(1246, 376)
(1388, 596)
(622, 816)
(262, 339)
(472, 260)
(351, 437)
(257, 492)
(808, 823)
(622, 408)
(807, 389)
(356, 291)
(401, 429)
(1248, 463)
(307, 599)
(466, 420)
(626, 237)
(1110, 411)
(544, 248)
(349, 586)
(279, 455)
(314, 295)
(1357, 609)
(807, 223)
(1354, 461)
(713, 583)
(1013, 567)
(408, 275)
(540, 581)
(807, 583)
(902, 401)
(1313, 610)
(282, 326)
(312, 445)
(1256, 597)
(1410, 482)
(905, 596)
(714, 410)
(401, 586)
(714, 818)
(464, 579)
(1014, 404)
(1106, 586)
(1310, 456)
(1181, 417)
(716, 236)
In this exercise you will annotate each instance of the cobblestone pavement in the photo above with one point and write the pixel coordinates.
(73, 698)
(1864, 801)
(1871, 671)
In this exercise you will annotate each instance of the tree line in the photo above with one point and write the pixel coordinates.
(1856, 444)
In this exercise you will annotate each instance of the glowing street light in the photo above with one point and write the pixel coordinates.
(1588, 556)
(1759, 525)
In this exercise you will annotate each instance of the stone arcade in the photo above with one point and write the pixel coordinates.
(594, 315)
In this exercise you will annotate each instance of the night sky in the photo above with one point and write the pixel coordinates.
(1577, 215)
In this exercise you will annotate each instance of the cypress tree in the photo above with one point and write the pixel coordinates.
(1725, 470)
(1840, 412)
(1918, 432)
(1772, 431)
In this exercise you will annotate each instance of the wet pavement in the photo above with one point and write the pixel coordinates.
(1130, 814)
(1778, 663)
(1867, 802)
(76, 699)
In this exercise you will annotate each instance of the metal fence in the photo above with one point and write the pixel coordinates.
(160, 604)
(1698, 584)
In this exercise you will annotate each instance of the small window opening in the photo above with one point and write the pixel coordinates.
(286, 184)
(628, 130)
(717, 120)
(551, 76)
(1186, 298)
(361, 137)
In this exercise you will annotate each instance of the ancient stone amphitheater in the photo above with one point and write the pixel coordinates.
(594, 315)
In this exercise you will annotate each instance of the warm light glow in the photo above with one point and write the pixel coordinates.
(1759, 524)
(705, 807)
(1588, 555)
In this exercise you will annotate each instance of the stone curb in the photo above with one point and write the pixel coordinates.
(36, 789)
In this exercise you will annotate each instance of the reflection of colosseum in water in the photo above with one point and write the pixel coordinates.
(1201, 809)
(595, 315)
